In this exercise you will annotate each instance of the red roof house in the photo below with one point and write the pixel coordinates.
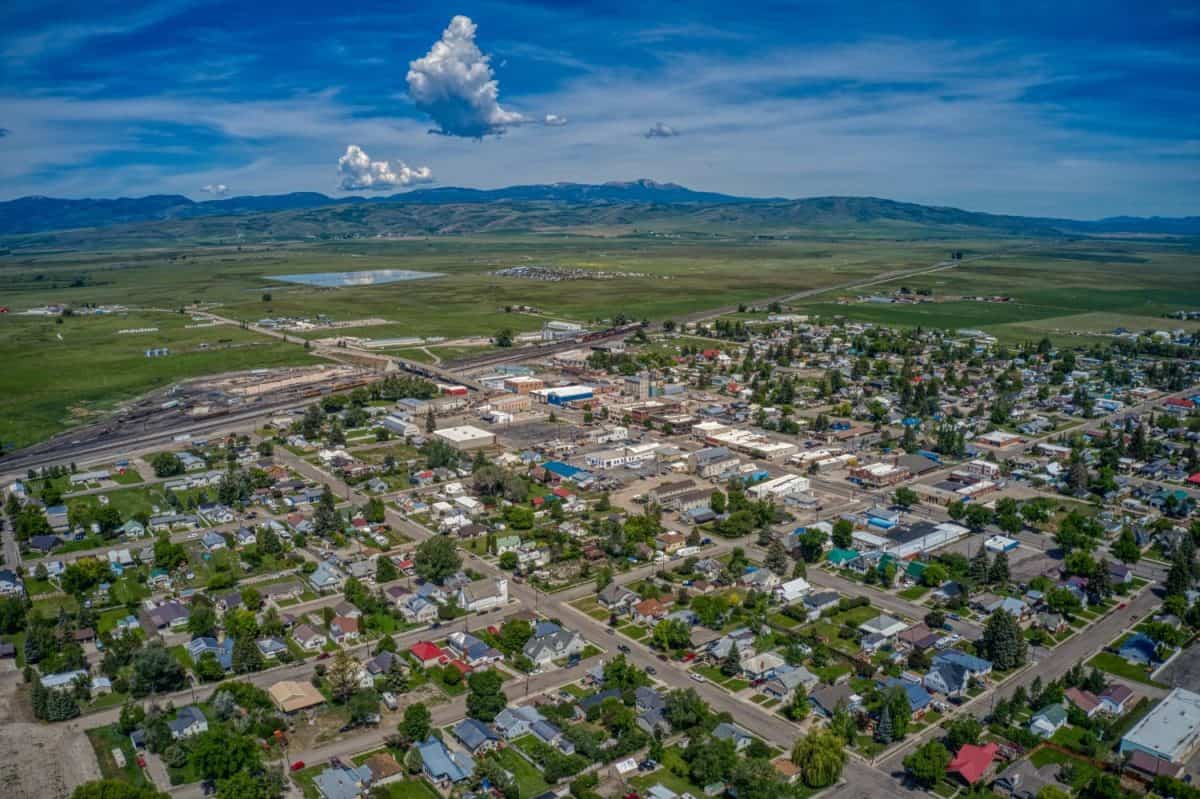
(429, 653)
(1194, 479)
(972, 762)
(1084, 700)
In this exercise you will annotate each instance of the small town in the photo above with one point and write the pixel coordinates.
(758, 556)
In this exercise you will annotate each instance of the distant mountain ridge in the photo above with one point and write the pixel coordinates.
(542, 205)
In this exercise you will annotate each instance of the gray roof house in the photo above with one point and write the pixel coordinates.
(188, 721)
(476, 736)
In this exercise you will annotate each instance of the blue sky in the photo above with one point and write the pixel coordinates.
(1069, 108)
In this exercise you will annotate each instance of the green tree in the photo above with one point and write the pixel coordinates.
(208, 668)
(843, 531)
(436, 559)
(883, 730)
(905, 497)
(820, 756)
(385, 570)
(202, 620)
(716, 502)
(326, 520)
(776, 560)
(416, 723)
(166, 464)
(928, 764)
(963, 730)
(672, 634)
(1003, 642)
(731, 664)
(998, 573)
(509, 561)
(220, 752)
(115, 789)
(1126, 548)
(485, 695)
(155, 670)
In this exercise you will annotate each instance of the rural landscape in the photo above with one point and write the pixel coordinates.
(484, 474)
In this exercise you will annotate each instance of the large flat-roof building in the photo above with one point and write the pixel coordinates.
(1170, 731)
(466, 437)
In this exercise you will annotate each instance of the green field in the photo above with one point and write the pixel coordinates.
(1077, 289)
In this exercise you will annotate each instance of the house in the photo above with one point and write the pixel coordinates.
(918, 637)
(973, 762)
(918, 698)
(975, 666)
(343, 782)
(281, 592)
(471, 650)
(1113, 698)
(10, 583)
(270, 647)
(1048, 720)
(1139, 649)
(246, 537)
(792, 590)
(344, 629)
(417, 609)
(1022, 780)
(1051, 622)
(63, 680)
(816, 604)
(173, 615)
(648, 611)
(309, 638)
(212, 541)
(325, 578)
(947, 678)
(476, 736)
(616, 597)
(826, 699)
(188, 721)
(443, 767)
(883, 625)
(761, 666)
(553, 645)
(293, 695)
(725, 731)
(515, 722)
(223, 651)
(482, 595)
(1084, 700)
(428, 654)
(787, 679)
(550, 735)
(383, 768)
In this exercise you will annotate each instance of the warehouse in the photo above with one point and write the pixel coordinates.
(922, 537)
(511, 403)
(780, 487)
(1000, 543)
(522, 384)
(466, 437)
(1170, 731)
(563, 394)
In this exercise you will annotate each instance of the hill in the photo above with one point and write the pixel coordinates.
(613, 207)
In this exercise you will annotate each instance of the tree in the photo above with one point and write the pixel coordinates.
(799, 708)
(436, 559)
(416, 723)
(166, 464)
(883, 730)
(1126, 548)
(220, 752)
(485, 695)
(928, 764)
(716, 502)
(963, 730)
(513, 636)
(385, 570)
(776, 559)
(998, 573)
(115, 789)
(202, 621)
(977, 517)
(155, 670)
(672, 634)
(208, 668)
(1003, 642)
(247, 657)
(132, 716)
(820, 756)
(685, 709)
(326, 520)
(362, 706)
(342, 675)
(243, 785)
(980, 567)
(731, 664)
(843, 532)
(509, 561)
(905, 497)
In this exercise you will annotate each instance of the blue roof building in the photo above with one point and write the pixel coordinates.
(918, 697)
(440, 765)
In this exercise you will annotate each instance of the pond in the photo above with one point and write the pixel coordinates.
(370, 277)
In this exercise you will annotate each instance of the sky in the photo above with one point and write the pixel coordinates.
(1071, 109)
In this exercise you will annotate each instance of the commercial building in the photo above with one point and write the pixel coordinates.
(466, 437)
(879, 475)
(522, 384)
(754, 444)
(922, 537)
(561, 395)
(779, 487)
(1171, 731)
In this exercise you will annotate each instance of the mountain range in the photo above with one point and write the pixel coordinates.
(433, 211)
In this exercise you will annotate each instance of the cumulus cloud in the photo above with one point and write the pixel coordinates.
(660, 131)
(554, 121)
(455, 85)
(356, 172)
(217, 189)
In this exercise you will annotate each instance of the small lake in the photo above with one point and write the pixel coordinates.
(371, 277)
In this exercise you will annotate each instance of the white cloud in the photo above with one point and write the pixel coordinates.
(356, 172)
(455, 85)
(554, 121)
(660, 131)
(217, 189)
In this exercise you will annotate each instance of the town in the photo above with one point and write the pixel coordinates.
(752, 556)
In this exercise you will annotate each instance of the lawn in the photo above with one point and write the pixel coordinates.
(1113, 664)
(104, 740)
(409, 789)
(669, 774)
(914, 593)
(530, 781)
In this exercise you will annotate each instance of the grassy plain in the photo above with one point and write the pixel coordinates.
(1061, 289)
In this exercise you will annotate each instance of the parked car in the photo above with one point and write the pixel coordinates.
(623, 648)
(697, 677)
(298, 765)
(651, 670)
